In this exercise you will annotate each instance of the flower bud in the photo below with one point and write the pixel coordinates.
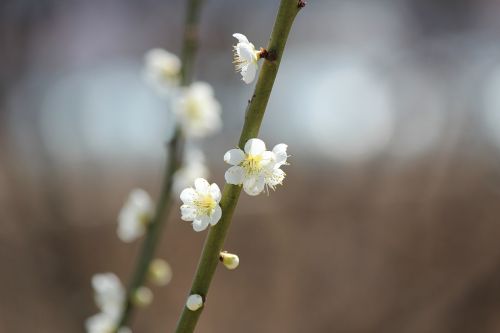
(160, 272)
(194, 302)
(231, 261)
(142, 297)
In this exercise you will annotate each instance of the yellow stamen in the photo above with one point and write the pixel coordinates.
(205, 205)
(252, 164)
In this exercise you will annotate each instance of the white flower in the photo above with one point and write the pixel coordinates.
(162, 70)
(194, 302)
(109, 293)
(135, 215)
(193, 167)
(109, 296)
(197, 110)
(201, 204)
(245, 58)
(103, 323)
(256, 168)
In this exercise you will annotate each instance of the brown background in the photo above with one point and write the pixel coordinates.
(384, 242)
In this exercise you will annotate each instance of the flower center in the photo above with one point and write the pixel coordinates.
(192, 109)
(240, 61)
(143, 218)
(252, 164)
(205, 205)
(168, 72)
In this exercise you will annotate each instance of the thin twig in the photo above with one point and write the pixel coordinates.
(253, 118)
(175, 152)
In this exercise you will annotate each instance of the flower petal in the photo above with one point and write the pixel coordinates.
(241, 38)
(254, 185)
(234, 175)
(216, 215)
(188, 213)
(248, 73)
(255, 147)
(247, 52)
(201, 223)
(267, 159)
(234, 156)
(280, 153)
(188, 195)
(214, 192)
(277, 177)
(201, 185)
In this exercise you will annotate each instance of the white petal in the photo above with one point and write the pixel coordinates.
(241, 38)
(140, 200)
(234, 156)
(267, 158)
(108, 293)
(280, 153)
(201, 185)
(254, 185)
(216, 215)
(188, 213)
(130, 230)
(234, 175)
(201, 89)
(99, 323)
(247, 52)
(201, 223)
(255, 147)
(277, 177)
(188, 195)
(248, 73)
(214, 192)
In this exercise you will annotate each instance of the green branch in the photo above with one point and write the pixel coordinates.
(190, 44)
(175, 153)
(253, 118)
(153, 231)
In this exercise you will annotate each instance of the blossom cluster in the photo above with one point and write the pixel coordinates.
(254, 167)
(197, 114)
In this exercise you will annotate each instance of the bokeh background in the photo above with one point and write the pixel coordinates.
(389, 217)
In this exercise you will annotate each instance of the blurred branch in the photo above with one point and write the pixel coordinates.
(190, 44)
(253, 118)
(175, 153)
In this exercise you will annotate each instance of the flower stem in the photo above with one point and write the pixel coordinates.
(175, 153)
(253, 118)
(190, 45)
(153, 231)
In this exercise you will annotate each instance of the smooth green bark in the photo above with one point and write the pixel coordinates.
(253, 118)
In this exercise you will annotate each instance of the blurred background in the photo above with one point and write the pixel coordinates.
(389, 217)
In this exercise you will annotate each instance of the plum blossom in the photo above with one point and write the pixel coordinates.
(245, 58)
(201, 204)
(135, 215)
(109, 296)
(162, 70)
(256, 168)
(197, 110)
